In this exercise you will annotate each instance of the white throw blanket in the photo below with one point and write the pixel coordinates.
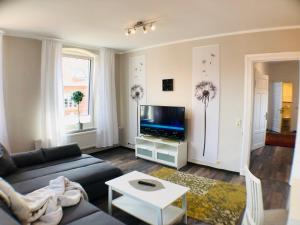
(43, 206)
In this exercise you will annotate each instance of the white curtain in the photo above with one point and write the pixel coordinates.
(3, 127)
(52, 108)
(105, 99)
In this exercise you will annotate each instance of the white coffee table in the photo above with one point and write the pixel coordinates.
(152, 207)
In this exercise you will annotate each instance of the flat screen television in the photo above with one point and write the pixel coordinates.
(163, 121)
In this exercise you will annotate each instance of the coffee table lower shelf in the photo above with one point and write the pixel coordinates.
(171, 214)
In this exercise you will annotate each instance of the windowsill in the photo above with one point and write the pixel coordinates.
(80, 131)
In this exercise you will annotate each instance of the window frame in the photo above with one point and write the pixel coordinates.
(86, 55)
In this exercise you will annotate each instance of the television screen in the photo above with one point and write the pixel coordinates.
(163, 121)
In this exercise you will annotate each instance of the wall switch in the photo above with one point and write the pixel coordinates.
(238, 122)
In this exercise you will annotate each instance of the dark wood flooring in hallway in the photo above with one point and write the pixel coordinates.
(271, 164)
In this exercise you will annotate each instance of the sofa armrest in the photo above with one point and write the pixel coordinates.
(30, 158)
(61, 152)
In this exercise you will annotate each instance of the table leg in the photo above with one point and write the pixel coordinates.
(159, 217)
(109, 200)
(184, 207)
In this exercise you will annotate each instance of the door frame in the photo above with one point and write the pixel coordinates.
(248, 99)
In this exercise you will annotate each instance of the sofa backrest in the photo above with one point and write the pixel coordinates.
(43, 155)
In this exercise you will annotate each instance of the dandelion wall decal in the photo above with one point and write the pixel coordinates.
(204, 135)
(137, 93)
(205, 91)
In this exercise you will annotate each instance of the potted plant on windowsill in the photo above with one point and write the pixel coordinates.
(77, 97)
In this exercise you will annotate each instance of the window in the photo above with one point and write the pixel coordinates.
(77, 73)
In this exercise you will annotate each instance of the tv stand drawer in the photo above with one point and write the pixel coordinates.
(144, 152)
(165, 157)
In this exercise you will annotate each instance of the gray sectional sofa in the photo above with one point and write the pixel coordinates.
(34, 169)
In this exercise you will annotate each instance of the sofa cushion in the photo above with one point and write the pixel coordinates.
(7, 165)
(76, 212)
(91, 177)
(97, 218)
(7, 219)
(6, 209)
(80, 212)
(61, 152)
(25, 159)
(7, 215)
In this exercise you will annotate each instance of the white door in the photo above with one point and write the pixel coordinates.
(260, 111)
(277, 106)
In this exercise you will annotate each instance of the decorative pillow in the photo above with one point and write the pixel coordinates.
(7, 165)
(61, 152)
(30, 158)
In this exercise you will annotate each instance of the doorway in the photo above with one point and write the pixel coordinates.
(275, 112)
(250, 60)
(275, 106)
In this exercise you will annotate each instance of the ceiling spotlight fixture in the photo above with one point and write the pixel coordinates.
(144, 25)
(128, 32)
(145, 30)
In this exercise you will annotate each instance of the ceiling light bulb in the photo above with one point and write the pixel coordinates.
(126, 33)
(145, 29)
(133, 31)
(153, 27)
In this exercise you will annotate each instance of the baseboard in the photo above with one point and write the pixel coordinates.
(125, 146)
(212, 165)
(129, 146)
(93, 150)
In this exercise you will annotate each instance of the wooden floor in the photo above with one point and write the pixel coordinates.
(271, 164)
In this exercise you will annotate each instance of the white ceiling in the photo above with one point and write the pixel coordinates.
(102, 22)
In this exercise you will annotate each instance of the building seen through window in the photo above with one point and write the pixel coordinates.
(76, 77)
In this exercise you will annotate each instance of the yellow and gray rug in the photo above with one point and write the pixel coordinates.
(210, 201)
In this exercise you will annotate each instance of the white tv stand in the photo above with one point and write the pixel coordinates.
(164, 151)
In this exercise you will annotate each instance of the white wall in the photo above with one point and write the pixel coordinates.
(175, 61)
(22, 66)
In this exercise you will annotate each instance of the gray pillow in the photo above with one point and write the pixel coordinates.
(61, 152)
(30, 158)
(7, 165)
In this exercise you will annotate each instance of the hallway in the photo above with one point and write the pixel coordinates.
(272, 164)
